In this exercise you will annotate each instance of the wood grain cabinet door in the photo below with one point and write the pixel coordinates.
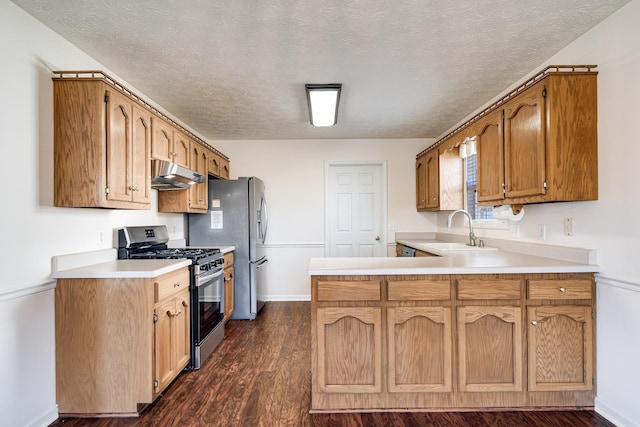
(181, 149)
(164, 338)
(183, 331)
(199, 163)
(342, 366)
(560, 341)
(490, 348)
(141, 156)
(421, 182)
(419, 355)
(433, 182)
(119, 117)
(490, 158)
(524, 143)
(161, 140)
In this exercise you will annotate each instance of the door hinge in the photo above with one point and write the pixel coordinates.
(155, 384)
(155, 318)
(106, 98)
(544, 92)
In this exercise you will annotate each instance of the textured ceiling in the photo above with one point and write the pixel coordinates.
(236, 69)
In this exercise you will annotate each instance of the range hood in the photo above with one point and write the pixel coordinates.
(171, 176)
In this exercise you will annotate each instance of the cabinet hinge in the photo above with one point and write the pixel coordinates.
(155, 318)
(544, 185)
(155, 384)
(106, 98)
(593, 315)
(544, 92)
(504, 189)
(106, 190)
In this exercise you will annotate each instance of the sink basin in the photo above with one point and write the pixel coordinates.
(448, 246)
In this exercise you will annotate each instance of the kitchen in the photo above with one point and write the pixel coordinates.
(38, 230)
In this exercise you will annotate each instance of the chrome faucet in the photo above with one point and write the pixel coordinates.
(472, 237)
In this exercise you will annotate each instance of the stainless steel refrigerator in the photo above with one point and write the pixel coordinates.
(237, 216)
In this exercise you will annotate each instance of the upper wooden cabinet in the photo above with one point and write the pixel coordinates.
(194, 199)
(104, 139)
(101, 147)
(541, 146)
(439, 180)
(169, 143)
(537, 144)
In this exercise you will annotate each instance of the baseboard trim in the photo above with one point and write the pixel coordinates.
(285, 298)
(46, 419)
(613, 416)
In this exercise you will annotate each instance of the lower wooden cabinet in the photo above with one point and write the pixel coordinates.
(119, 342)
(343, 367)
(560, 348)
(419, 349)
(489, 348)
(229, 286)
(452, 341)
(171, 345)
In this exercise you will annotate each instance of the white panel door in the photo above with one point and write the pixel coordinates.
(356, 210)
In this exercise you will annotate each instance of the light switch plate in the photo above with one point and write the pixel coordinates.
(568, 227)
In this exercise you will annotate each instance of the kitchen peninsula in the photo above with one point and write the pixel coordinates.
(475, 330)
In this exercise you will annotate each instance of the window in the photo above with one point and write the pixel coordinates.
(471, 180)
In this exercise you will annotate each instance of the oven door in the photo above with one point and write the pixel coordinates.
(207, 303)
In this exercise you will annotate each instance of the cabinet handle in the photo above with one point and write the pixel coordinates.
(563, 289)
(534, 322)
(184, 304)
(435, 198)
(177, 313)
(176, 285)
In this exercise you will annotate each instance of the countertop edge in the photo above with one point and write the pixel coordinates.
(116, 269)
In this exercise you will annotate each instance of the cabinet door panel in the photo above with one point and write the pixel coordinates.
(343, 367)
(419, 349)
(181, 149)
(490, 160)
(421, 182)
(560, 348)
(163, 342)
(118, 167)
(183, 331)
(161, 140)
(490, 349)
(141, 156)
(524, 144)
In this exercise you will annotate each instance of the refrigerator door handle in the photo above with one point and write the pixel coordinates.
(262, 261)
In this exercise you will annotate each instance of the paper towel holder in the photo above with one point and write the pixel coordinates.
(516, 209)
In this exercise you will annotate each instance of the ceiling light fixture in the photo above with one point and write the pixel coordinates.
(323, 102)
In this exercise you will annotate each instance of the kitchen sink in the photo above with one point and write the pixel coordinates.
(449, 246)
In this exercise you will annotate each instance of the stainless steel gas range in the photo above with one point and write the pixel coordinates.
(206, 283)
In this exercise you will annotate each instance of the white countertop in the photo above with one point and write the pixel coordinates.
(474, 262)
(123, 268)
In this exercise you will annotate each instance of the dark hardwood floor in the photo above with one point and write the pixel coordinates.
(260, 376)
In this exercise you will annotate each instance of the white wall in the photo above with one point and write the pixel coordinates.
(32, 229)
(293, 172)
(608, 224)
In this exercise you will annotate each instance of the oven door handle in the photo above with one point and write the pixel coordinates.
(200, 280)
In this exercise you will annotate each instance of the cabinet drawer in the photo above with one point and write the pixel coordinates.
(488, 289)
(228, 259)
(349, 291)
(170, 283)
(419, 290)
(560, 289)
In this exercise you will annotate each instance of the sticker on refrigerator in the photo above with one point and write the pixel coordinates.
(216, 220)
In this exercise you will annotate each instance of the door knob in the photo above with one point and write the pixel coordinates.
(377, 237)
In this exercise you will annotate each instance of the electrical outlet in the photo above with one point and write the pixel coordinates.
(568, 226)
(393, 226)
(515, 230)
(542, 232)
(100, 237)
